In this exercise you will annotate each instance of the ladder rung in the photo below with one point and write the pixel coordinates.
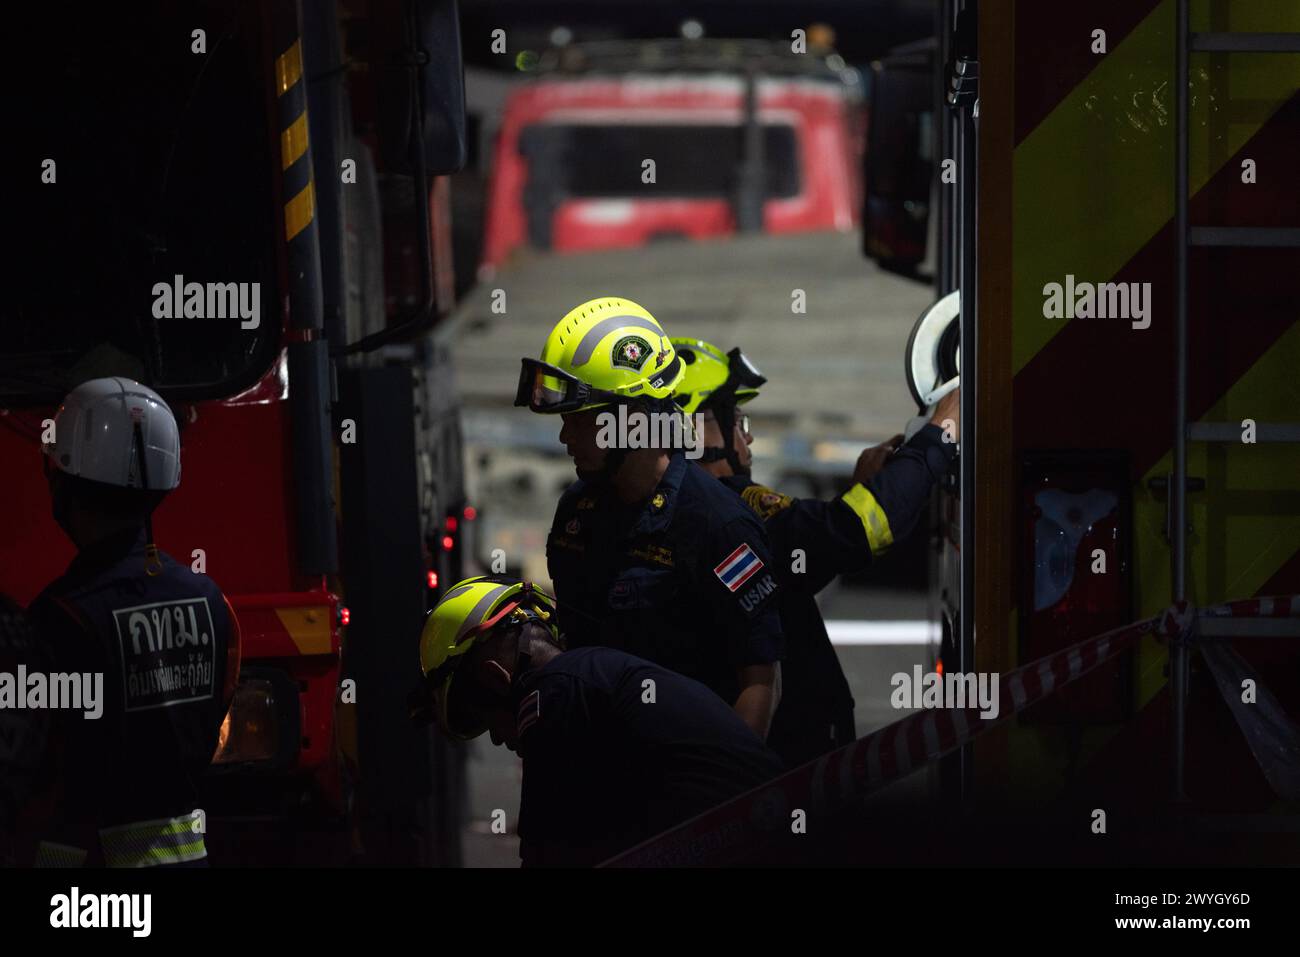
(1231, 432)
(1243, 236)
(1245, 42)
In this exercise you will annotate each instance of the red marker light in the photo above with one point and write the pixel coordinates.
(447, 542)
(433, 579)
(471, 513)
(452, 523)
(345, 616)
(938, 667)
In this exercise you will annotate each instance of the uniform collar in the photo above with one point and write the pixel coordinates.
(526, 699)
(108, 550)
(657, 511)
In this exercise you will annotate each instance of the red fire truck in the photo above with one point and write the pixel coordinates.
(290, 149)
(622, 143)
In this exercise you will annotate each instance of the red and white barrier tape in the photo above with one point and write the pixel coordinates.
(1278, 606)
(890, 753)
(873, 761)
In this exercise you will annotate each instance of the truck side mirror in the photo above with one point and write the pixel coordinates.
(421, 86)
(898, 164)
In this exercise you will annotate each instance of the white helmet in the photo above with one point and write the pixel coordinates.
(95, 435)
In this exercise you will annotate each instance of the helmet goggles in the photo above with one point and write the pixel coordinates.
(550, 390)
(743, 379)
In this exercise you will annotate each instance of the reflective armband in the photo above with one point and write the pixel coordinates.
(874, 520)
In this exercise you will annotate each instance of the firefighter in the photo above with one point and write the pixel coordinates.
(646, 553)
(163, 637)
(615, 749)
(891, 486)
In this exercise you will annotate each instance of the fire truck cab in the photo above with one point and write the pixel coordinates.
(620, 144)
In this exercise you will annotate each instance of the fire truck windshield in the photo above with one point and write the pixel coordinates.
(141, 213)
(582, 160)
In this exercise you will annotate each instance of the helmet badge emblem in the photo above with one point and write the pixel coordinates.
(631, 352)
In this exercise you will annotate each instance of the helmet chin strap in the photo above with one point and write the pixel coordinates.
(152, 563)
(615, 457)
(523, 652)
(725, 413)
(523, 660)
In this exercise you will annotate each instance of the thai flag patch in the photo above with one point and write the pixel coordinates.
(738, 567)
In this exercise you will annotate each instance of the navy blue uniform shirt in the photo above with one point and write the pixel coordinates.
(617, 750)
(684, 580)
(161, 643)
(833, 537)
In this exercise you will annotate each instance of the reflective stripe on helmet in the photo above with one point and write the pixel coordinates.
(479, 612)
(592, 337)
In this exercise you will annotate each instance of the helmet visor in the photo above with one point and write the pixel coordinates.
(546, 389)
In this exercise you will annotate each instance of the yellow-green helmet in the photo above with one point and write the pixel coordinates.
(605, 350)
(465, 616)
(710, 371)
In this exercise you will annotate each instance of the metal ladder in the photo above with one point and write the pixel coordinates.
(1204, 236)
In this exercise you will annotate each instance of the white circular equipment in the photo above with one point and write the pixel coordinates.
(933, 355)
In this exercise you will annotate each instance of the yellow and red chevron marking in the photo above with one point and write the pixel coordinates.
(1093, 185)
(288, 625)
(1091, 151)
(1093, 179)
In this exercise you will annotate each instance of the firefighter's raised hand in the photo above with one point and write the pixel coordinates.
(872, 460)
(947, 415)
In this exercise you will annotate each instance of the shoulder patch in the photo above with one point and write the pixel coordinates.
(764, 502)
